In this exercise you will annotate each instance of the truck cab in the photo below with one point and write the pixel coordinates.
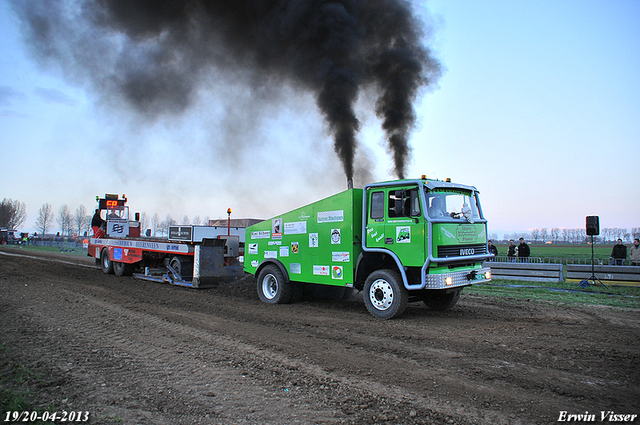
(429, 234)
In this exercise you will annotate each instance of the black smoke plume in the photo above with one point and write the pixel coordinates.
(156, 53)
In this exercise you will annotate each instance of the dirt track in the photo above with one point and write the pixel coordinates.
(149, 353)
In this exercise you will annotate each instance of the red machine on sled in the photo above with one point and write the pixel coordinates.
(194, 256)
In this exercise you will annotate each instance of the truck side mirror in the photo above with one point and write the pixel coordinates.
(137, 216)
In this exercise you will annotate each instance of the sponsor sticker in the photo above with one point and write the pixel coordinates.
(295, 228)
(294, 247)
(276, 228)
(284, 251)
(261, 234)
(330, 216)
(253, 248)
(403, 234)
(271, 254)
(255, 263)
(336, 272)
(313, 240)
(340, 257)
(295, 268)
(321, 270)
(335, 236)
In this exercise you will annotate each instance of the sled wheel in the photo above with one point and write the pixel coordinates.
(272, 286)
(183, 267)
(384, 294)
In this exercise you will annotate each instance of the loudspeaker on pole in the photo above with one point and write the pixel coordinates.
(593, 225)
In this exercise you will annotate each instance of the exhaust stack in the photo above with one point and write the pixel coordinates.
(349, 183)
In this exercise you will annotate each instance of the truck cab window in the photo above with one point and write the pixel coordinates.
(377, 205)
(453, 205)
(404, 203)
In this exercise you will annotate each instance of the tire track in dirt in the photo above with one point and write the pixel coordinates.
(486, 361)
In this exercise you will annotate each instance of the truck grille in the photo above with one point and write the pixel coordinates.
(445, 251)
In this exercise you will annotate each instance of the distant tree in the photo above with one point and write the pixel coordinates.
(185, 220)
(45, 218)
(535, 234)
(64, 219)
(155, 223)
(81, 220)
(543, 235)
(12, 213)
(635, 232)
(196, 220)
(144, 222)
(565, 234)
(206, 220)
(555, 233)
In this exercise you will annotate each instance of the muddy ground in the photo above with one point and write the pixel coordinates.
(136, 352)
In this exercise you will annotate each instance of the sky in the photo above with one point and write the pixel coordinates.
(538, 106)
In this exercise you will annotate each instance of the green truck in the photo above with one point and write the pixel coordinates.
(398, 242)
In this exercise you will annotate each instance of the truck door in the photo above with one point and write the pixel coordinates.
(395, 222)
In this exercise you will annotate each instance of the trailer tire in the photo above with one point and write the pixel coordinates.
(441, 301)
(105, 262)
(273, 288)
(182, 266)
(384, 294)
(122, 269)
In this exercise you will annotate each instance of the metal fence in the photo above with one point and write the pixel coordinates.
(558, 260)
(61, 244)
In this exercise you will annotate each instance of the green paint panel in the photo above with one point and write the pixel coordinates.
(315, 243)
(459, 234)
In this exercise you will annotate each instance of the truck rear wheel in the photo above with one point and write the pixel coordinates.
(273, 287)
(441, 300)
(384, 294)
(122, 269)
(105, 262)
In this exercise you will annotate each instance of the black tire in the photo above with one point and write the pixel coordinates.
(441, 300)
(384, 294)
(272, 286)
(105, 262)
(122, 269)
(183, 266)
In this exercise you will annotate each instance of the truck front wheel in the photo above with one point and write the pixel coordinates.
(273, 287)
(440, 300)
(384, 294)
(105, 262)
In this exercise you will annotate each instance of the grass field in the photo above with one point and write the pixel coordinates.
(569, 292)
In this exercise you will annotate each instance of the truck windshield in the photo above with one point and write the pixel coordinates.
(452, 205)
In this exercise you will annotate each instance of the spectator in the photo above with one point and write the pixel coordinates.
(511, 252)
(523, 251)
(493, 250)
(96, 224)
(618, 254)
(634, 253)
